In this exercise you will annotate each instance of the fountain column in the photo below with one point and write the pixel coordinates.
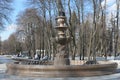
(62, 57)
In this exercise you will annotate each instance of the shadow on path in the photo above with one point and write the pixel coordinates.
(117, 71)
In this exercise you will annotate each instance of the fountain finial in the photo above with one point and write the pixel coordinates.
(60, 8)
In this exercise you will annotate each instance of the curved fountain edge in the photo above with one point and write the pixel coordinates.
(61, 71)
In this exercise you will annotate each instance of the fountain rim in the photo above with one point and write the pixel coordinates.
(55, 71)
(94, 66)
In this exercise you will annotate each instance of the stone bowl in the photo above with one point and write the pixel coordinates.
(61, 71)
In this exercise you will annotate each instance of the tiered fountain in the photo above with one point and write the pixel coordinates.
(61, 66)
(62, 40)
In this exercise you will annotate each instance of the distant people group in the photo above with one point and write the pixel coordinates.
(37, 57)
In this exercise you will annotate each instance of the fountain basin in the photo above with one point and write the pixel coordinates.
(61, 71)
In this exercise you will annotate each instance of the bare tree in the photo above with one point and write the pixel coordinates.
(5, 8)
(91, 26)
(116, 28)
(29, 22)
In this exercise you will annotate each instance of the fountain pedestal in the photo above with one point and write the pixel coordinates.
(62, 57)
(60, 60)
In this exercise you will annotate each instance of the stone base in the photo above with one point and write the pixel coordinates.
(61, 71)
(61, 61)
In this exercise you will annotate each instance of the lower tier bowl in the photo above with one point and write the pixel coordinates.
(61, 71)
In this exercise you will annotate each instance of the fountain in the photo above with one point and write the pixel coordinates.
(62, 40)
(62, 66)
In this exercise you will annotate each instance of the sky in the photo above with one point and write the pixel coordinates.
(19, 6)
